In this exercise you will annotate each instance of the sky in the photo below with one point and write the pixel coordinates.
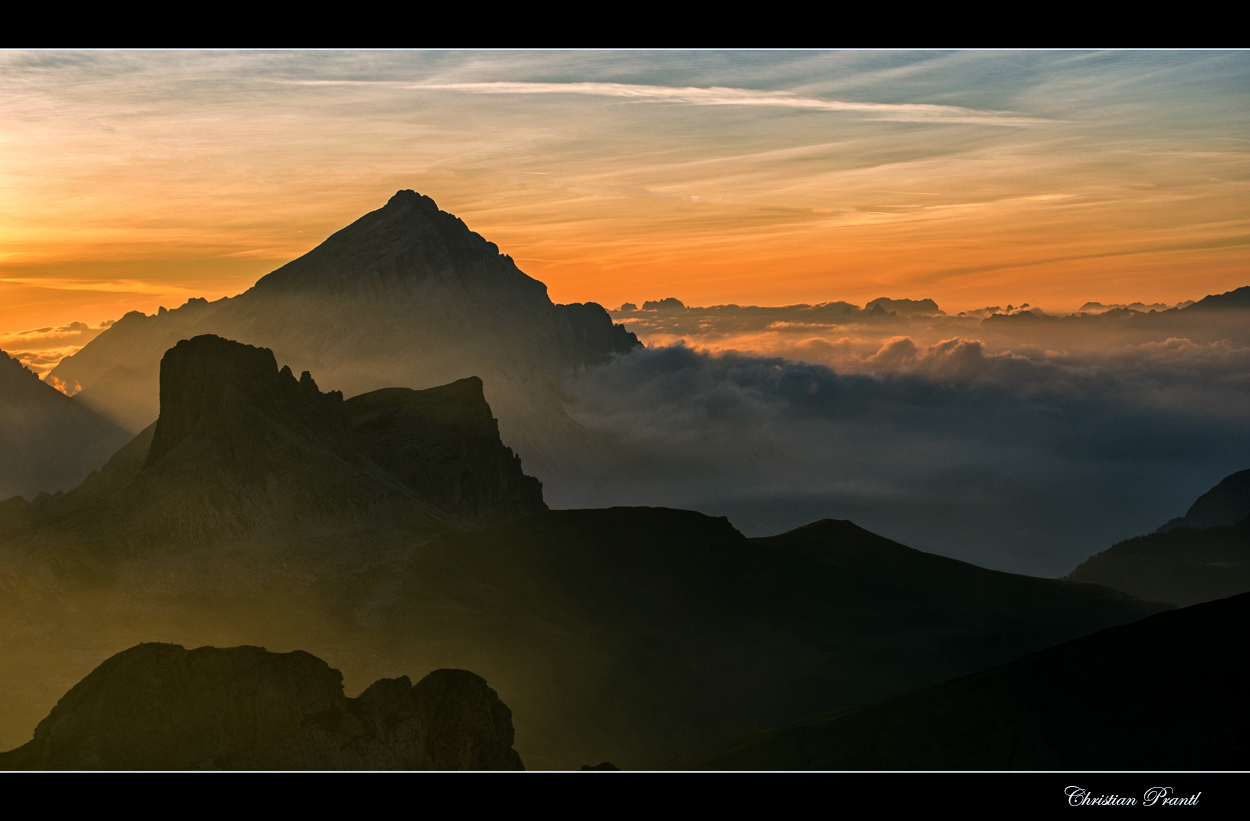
(130, 180)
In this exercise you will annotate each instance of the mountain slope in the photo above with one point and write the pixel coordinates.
(1225, 504)
(1169, 692)
(406, 295)
(665, 629)
(162, 707)
(48, 441)
(1201, 556)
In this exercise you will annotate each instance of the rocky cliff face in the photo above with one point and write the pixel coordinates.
(163, 707)
(227, 404)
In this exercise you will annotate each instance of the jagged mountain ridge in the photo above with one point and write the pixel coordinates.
(48, 442)
(241, 445)
(405, 295)
(163, 707)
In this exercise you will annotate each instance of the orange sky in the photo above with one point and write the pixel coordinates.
(132, 180)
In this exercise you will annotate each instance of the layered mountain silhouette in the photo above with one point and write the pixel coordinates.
(406, 295)
(395, 529)
(241, 446)
(1201, 556)
(48, 442)
(1169, 692)
(163, 707)
(662, 628)
(1213, 318)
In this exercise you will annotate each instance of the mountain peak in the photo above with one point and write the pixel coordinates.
(226, 408)
(215, 386)
(409, 197)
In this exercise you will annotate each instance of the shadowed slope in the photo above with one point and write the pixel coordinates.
(1169, 692)
(667, 629)
(48, 441)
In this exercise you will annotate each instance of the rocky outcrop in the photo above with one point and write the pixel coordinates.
(213, 389)
(444, 444)
(163, 707)
(227, 404)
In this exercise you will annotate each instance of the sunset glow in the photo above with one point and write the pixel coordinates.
(130, 180)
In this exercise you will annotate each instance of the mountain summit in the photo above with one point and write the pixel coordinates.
(405, 295)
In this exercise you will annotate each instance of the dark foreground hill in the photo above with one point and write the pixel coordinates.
(1170, 692)
(632, 635)
(48, 441)
(405, 295)
(162, 707)
(658, 628)
(1201, 556)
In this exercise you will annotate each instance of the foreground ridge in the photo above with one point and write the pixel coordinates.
(163, 707)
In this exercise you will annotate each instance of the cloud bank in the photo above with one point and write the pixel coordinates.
(1013, 455)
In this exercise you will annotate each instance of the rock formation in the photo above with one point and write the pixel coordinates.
(163, 707)
(241, 445)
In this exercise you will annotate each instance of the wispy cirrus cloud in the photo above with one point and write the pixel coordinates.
(118, 286)
(725, 96)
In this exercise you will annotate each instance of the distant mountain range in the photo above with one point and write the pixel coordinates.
(48, 442)
(406, 295)
(1212, 318)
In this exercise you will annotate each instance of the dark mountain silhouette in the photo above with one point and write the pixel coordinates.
(241, 446)
(628, 634)
(48, 441)
(1201, 556)
(1211, 319)
(905, 307)
(1169, 692)
(406, 295)
(393, 527)
(1235, 300)
(666, 629)
(163, 707)
(1225, 504)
